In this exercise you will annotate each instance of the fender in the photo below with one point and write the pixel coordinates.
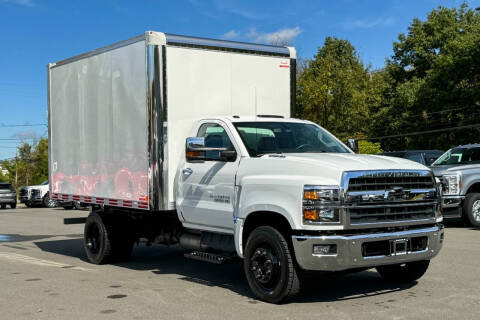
(242, 212)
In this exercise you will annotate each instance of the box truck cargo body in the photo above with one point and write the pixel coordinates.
(119, 115)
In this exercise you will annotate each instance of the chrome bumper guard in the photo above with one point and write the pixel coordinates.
(349, 253)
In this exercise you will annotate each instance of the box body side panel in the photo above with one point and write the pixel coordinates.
(98, 125)
(207, 83)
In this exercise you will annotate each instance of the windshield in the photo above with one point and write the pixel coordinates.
(286, 137)
(459, 156)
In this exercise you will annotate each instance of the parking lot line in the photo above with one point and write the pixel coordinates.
(40, 262)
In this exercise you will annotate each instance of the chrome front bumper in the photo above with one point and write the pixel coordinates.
(349, 249)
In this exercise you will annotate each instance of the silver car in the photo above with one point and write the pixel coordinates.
(458, 169)
(8, 196)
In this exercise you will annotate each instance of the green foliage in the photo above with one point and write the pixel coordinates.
(29, 167)
(431, 82)
(368, 147)
(434, 82)
(333, 89)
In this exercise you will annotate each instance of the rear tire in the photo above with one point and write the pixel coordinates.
(471, 209)
(269, 266)
(13, 205)
(3, 206)
(105, 240)
(404, 273)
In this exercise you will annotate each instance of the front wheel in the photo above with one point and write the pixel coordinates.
(404, 273)
(49, 202)
(13, 205)
(3, 206)
(269, 266)
(471, 209)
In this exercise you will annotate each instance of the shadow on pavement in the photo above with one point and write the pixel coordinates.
(170, 260)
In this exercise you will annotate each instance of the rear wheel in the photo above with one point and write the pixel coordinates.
(269, 266)
(404, 273)
(3, 206)
(471, 209)
(13, 205)
(105, 240)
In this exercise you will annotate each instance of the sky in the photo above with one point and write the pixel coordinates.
(36, 32)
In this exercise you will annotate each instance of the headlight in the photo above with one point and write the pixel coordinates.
(321, 204)
(452, 184)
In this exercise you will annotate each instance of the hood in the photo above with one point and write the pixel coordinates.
(35, 187)
(318, 168)
(356, 162)
(451, 169)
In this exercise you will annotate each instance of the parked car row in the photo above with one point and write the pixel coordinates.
(33, 196)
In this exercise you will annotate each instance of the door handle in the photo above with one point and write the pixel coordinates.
(187, 171)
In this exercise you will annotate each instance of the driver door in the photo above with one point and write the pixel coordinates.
(207, 187)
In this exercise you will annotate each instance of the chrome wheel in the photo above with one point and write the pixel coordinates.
(476, 210)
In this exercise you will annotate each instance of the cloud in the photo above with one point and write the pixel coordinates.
(283, 36)
(232, 34)
(23, 3)
(368, 23)
(24, 135)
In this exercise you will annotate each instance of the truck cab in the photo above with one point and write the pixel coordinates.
(290, 181)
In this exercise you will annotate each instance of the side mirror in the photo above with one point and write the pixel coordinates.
(196, 151)
(352, 144)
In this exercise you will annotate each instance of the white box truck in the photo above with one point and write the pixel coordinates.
(184, 140)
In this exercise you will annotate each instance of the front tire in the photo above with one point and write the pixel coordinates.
(104, 241)
(3, 206)
(49, 202)
(269, 266)
(13, 205)
(404, 273)
(471, 209)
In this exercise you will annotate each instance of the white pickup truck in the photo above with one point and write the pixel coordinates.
(182, 140)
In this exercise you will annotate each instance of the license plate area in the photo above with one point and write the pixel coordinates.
(398, 247)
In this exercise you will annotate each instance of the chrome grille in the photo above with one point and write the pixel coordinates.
(378, 214)
(390, 197)
(386, 183)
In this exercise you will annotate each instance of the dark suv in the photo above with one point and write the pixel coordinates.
(425, 157)
(8, 195)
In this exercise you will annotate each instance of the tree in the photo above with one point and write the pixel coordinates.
(336, 90)
(434, 81)
(30, 166)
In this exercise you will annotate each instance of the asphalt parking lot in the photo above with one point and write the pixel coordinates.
(44, 275)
